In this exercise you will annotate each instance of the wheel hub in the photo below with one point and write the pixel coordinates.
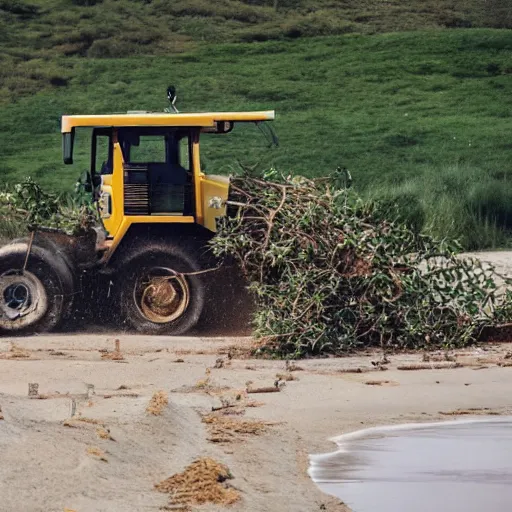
(17, 296)
(162, 295)
(22, 299)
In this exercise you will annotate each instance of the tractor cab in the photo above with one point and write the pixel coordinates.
(145, 167)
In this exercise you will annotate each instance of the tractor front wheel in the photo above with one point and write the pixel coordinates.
(161, 292)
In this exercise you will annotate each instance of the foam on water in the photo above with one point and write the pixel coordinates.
(457, 465)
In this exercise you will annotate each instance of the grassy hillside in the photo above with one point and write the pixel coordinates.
(34, 33)
(422, 118)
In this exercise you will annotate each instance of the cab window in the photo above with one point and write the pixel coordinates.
(150, 148)
(102, 152)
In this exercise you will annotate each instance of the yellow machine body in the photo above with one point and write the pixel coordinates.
(122, 199)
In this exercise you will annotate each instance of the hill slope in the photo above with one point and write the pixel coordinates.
(422, 118)
(33, 33)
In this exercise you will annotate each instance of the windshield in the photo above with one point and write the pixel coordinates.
(155, 145)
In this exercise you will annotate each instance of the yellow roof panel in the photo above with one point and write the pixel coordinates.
(199, 119)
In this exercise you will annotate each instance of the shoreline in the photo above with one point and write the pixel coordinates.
(321, 400)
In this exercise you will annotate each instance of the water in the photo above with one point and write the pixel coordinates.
(450, 466)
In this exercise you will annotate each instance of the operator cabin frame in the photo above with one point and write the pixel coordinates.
(122, 186)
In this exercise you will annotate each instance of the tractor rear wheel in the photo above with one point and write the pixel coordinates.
(35, 292)
(160, 292)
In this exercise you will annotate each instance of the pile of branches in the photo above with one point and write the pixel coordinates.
(332, 273)
(26, 206)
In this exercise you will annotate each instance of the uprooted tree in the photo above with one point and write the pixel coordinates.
(331, 272)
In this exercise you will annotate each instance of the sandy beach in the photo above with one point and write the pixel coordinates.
(86, 441)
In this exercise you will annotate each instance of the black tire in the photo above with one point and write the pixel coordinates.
(35, 299)
(166, 265)
(62, 261)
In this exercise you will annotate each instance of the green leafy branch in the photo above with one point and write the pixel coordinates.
(27, 205)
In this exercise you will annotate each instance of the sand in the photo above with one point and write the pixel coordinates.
(48, 462)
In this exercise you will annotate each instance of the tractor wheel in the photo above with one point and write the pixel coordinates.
(33, 297)
(157, 295)
(63, 264)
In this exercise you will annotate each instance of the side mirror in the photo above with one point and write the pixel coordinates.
(68, 139)
(171, 96)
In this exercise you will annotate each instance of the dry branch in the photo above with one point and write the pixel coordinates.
(265, 389)
(355, 370)
(104, 433)
(80, 421)
(16, 352)
(384, 383)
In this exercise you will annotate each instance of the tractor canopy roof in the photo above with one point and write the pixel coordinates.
(137, 118)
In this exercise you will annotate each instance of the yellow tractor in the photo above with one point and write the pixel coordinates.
(157, 210)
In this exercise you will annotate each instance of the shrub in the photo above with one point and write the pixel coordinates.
(27, 205)
(22, 9)
(84, 35)
(281, 4)
(261, 33)
(69, 49)
(453, 21)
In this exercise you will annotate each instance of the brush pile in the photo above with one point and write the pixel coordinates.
(331, 272)
(27, 206)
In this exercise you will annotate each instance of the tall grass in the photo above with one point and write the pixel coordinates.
(459, 202)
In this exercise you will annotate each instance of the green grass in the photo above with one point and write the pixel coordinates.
(34, 33)
(421, 117)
